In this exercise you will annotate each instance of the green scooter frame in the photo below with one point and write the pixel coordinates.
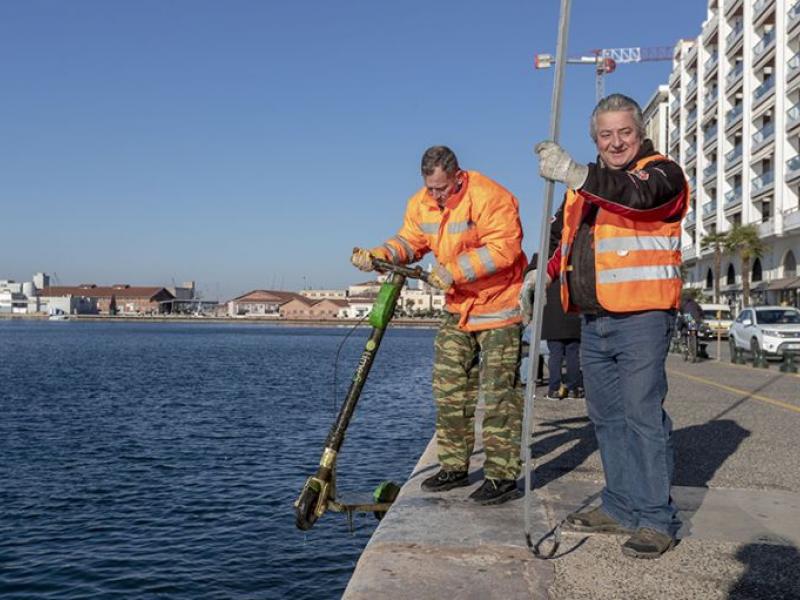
(319, 492)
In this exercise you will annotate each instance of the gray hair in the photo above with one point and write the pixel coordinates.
(439, 156)
(615, 103)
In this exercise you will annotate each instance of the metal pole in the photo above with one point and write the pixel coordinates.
(544, 242)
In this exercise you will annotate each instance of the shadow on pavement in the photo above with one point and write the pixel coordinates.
(702, 449)
(551, 435)
(772, 573)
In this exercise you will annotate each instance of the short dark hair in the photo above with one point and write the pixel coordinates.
(439, 156)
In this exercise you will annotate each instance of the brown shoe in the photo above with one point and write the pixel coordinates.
(595, 521)
(647, 543)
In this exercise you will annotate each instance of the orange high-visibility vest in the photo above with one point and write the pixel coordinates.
(477, 237)
(637, 263)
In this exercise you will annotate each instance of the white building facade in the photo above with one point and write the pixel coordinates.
(734, 126)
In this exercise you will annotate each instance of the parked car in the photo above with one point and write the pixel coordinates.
(773, 329)
(718, 317)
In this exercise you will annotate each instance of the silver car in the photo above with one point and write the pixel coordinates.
(773, 329)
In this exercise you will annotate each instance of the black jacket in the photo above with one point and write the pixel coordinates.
(650, 194)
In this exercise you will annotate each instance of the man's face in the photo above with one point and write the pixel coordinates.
(440, 185)
(618, 140)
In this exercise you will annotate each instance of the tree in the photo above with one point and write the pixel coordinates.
(743, 241)
(717, 241)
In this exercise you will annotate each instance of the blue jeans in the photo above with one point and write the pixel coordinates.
(623, 358)
(558, 350)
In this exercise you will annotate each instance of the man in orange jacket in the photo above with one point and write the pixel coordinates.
(472, 226)
(619, 265)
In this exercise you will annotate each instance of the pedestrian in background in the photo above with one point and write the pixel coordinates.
(562, 332)
(618, 263)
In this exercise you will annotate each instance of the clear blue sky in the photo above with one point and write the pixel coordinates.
(252, 144)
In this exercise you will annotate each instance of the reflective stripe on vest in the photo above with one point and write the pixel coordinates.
(466, 267)
(636, 242)
(394, 256)
(429, 228)
(406, 246)
(486, 260)
(459, 226)
(504, 315)
(648, 273)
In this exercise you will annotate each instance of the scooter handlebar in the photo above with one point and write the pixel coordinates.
(411, 272)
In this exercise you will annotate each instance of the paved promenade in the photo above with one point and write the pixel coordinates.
(737, 484)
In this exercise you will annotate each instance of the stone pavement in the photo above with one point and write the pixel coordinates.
(737, 484)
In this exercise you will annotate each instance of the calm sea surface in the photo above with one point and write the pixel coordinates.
(161, 461)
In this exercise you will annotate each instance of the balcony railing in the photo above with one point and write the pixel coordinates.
(674, 136)
(676, 104)
(691, 86)
(735, 73)
(794, 15)
(710, 171)
(691, 152)
(691, 218)
(692, 181)
(765, 43)
(762, 136)
(793, 168)
(793, 116)
(709, 209)
(792, 67)
(711, 63)
(762, 182)
(710, 134)
(791, 218)
(758, 7)
(733, 156)
(733, 115)
(761, 91)
(691, 118)
(688, 252)
(710, 99)
(734, 35)
(766, 228)
(733, 197)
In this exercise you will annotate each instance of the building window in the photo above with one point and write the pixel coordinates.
(757, 275)
(731, 278)
(790, 265)
(709, 279)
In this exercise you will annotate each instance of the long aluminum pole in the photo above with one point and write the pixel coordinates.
(544, 244)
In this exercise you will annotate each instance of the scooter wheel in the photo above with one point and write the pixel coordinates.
(305, 509)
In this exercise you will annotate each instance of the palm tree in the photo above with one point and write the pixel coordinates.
(716, 240)
(743, 240)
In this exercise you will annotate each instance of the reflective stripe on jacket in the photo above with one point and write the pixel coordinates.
(477, 237)
(637, 263)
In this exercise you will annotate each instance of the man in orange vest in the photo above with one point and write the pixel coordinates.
(472, 226)
(619, 265)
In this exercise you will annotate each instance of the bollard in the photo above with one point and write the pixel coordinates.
(788, 365)
(739, 358)
(760, 360)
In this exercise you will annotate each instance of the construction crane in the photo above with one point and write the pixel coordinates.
(606, 60)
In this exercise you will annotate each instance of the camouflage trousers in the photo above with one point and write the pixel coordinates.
(466, 364)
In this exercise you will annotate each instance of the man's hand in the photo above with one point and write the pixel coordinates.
(440, 278)
(526, 295)
(556, 164)
(362, 259)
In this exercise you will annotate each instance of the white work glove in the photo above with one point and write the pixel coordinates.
(556, 164)
(526, 296)
(362, 259)
(440, 278)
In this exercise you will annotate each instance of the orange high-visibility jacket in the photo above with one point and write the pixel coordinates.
(637, 263)
(477, 237)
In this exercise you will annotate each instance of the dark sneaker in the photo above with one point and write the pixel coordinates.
(595, 521)
(495, 491)
(445, 480)
(557, 395)
(577, 393)
(647, 543)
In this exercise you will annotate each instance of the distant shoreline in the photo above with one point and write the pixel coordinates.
(337, 323)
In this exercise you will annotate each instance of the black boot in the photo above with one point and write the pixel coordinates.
(495, 491)
(445, 480)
